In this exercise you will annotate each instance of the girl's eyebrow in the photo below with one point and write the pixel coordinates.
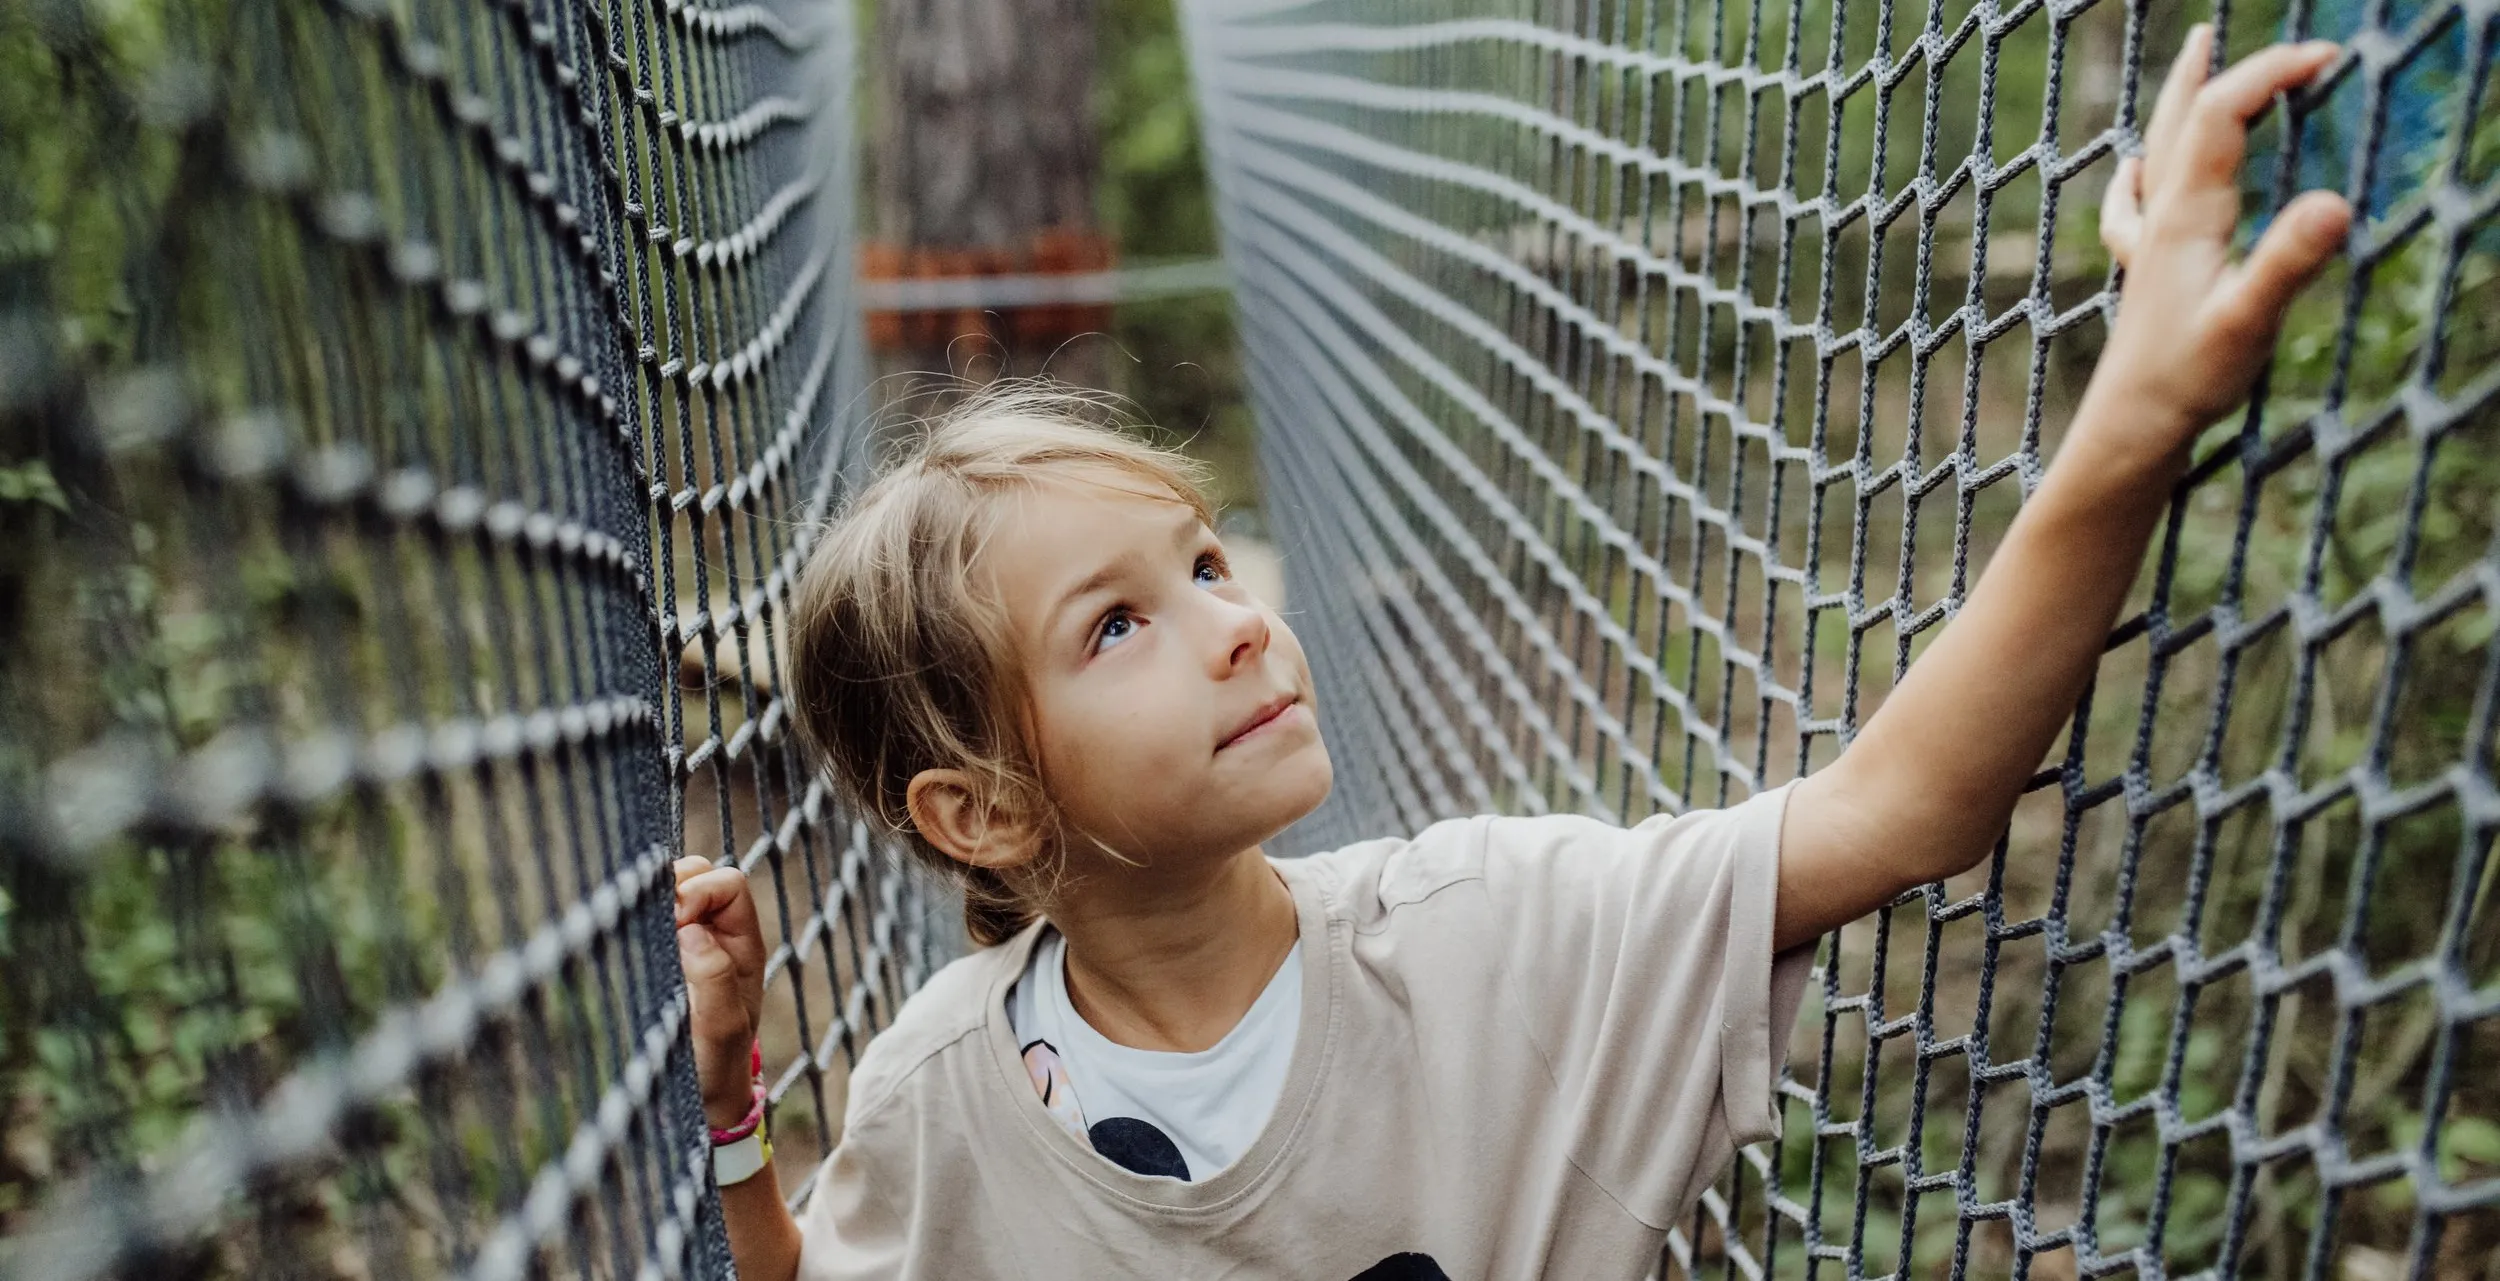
(1093, 583)
(1185, 532)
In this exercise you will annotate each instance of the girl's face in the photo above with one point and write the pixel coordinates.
(1173, 708)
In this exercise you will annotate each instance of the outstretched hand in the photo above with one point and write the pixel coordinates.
(720, 943)
(2193, 326)
(1957, 740)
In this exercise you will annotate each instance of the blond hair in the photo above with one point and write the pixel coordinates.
(901, 656)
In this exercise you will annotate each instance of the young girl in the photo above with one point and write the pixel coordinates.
(1505, 1047)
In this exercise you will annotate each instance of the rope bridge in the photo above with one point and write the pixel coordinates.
(421, 487)
(1643, 384)
(398, 593)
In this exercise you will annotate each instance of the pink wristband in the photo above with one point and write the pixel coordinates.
(746, 1125)
(755, 1114)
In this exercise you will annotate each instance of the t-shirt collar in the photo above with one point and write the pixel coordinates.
(1322, 945)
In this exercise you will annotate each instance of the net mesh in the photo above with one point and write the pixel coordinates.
(1643, 384)
(394, 594)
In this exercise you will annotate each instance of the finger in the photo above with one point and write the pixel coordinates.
(709, 894)
(713, 981)
(2293, 251)
(2216, 134)
(2178, 90)
(718, 896)
(690, 865)
(2122, 211)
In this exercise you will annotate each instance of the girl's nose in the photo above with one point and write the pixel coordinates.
(1245, 634)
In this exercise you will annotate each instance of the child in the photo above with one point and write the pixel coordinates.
(1506, 1047)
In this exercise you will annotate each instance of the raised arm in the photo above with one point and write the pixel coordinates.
(1924, 790)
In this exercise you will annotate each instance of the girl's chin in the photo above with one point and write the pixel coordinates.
(1283, 797)
(1306, 788)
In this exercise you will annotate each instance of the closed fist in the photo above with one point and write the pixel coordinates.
(720, 943)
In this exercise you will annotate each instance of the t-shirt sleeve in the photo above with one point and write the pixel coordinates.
(848, 1229)
(1642, 965)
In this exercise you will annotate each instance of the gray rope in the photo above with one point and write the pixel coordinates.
(415, 600)
(1608, 354)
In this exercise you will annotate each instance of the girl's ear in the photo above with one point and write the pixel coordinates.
(950, 816)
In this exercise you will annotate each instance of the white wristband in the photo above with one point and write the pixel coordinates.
(734, 1163)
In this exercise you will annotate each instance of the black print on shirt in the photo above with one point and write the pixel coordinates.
(1404, 1267)
(1139, 1147)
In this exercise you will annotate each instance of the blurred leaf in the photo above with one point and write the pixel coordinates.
(31, 482)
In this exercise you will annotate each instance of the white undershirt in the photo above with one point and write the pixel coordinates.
(1155, 1112)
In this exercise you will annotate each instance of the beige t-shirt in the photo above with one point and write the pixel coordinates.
(1527, 1045)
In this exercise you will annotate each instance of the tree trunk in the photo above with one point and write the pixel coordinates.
(986, 163)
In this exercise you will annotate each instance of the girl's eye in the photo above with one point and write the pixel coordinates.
(1115, 628)
(1119, 624)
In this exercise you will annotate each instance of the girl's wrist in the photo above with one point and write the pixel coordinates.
(729, 1102)
(725, 1112)
(2124, 448)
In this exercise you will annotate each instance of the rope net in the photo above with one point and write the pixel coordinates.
(397, 594)
(1643, 384)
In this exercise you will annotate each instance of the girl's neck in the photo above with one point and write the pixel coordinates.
(1174, 967)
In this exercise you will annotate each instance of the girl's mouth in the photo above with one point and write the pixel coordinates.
(1268, 716)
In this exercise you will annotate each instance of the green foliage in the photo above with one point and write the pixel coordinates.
(31, 482)
(1175, 357)
(160, 972)
(81, 80)
(1154, 199)
(2334, 516)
